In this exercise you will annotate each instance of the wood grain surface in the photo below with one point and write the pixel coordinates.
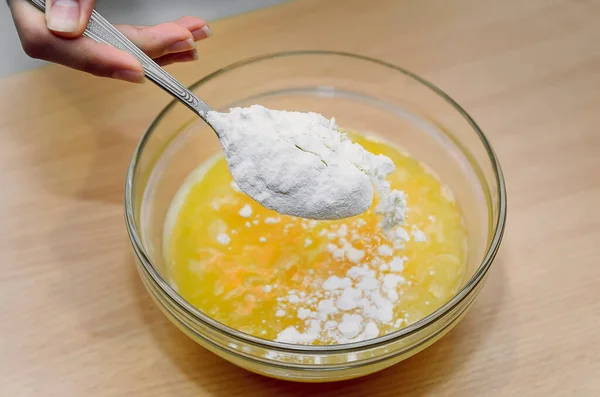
(76, 321)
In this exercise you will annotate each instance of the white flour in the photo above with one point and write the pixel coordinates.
(354, 306)
(299, 164)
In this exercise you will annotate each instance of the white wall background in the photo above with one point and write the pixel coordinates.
(139, 12)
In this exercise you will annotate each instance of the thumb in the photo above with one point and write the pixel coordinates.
(68, 18)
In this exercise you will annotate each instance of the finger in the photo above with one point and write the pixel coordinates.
(159, 40)
(187, 56)
(168, 38)
(80, 53)
(68, 18)
(197, 26)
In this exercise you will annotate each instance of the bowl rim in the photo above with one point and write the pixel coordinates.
(353, 347)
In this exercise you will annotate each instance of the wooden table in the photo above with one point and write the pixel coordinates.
(76, 321)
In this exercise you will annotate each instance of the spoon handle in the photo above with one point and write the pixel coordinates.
(102, 31)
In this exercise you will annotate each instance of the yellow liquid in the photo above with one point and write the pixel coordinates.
(241, 270)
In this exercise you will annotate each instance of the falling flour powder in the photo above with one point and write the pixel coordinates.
(300, 164)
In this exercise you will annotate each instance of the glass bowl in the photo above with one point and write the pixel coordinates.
(363, 94)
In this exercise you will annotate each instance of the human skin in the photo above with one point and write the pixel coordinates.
(57, 37)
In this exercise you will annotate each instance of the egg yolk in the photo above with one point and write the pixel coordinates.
(263, 273)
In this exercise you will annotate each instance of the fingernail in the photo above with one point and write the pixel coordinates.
(202, 33)
(132, 76)
(183, 45)
(195, 55)
(62, 15)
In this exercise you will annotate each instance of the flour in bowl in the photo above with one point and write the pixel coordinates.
(300, 164)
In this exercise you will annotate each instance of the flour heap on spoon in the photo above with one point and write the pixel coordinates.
(300, 164)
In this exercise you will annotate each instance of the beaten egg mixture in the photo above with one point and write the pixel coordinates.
(314, 282)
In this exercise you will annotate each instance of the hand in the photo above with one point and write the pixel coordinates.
(57, 38)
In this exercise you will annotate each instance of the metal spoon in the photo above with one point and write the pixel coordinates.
(102, 31)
